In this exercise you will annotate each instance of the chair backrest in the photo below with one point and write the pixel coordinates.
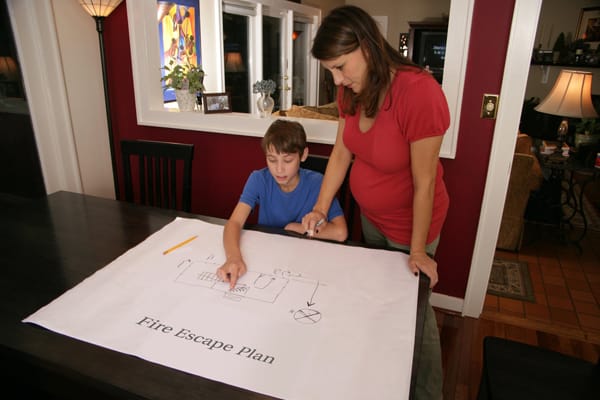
(157, 173)
(319, 163)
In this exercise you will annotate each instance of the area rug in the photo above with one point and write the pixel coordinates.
(510, 278)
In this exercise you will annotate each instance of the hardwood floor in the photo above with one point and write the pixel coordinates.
(565, 317)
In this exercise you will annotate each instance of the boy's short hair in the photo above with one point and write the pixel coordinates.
(285, 137)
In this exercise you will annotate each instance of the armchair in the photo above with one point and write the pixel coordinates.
(525, 177)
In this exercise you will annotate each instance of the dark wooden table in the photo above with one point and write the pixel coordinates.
(50, 245)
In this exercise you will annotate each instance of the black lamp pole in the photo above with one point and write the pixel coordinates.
(99, 26)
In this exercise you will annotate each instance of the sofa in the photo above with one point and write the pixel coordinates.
(525, 178)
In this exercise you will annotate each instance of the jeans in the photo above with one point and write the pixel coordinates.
(429, 371)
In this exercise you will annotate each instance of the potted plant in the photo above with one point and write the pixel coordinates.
(187, 81)
(587, 131)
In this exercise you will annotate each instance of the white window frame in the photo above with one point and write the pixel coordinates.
(150, 109)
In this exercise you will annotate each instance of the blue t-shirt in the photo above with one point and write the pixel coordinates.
(278, 208)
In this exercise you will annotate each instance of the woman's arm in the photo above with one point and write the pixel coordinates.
(337, 166)
(234, 266)
(424, 162)
(336, 229)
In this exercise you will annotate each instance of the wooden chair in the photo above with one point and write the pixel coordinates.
(319, 163)
(157, 183)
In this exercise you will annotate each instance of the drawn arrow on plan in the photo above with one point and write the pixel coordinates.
(310, 302)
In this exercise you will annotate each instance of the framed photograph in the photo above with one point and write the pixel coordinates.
(216, 102)
(588, 28)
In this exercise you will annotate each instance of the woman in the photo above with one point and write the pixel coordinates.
(393, 116)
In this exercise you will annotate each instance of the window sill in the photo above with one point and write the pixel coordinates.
(317, 131)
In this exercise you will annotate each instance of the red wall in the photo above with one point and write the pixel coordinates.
(465, 175)
(223, 162)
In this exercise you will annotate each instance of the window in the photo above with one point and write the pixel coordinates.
(272, 43)
(249, 31)
(235, 46)
(300, 77)
(150, 108)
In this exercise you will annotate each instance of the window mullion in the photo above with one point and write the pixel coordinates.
(255, 63)
(287, 61)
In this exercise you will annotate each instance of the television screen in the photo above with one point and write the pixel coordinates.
(431, 52)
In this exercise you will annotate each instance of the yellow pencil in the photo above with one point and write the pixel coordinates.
(179, 245)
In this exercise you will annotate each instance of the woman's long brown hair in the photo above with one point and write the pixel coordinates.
(344, 30)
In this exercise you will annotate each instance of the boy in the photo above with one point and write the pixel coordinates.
(285, 193)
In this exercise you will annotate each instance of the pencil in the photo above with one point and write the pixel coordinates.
(179, 245)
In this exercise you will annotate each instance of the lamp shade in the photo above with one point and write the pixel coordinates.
(233, 62)
(8, 69)
(99, 8)
(571, 96)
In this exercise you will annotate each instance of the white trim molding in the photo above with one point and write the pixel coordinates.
(445, 302)
(455, 66)
(512, 93)
(34, 30)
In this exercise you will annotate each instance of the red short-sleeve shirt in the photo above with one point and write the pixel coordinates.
(381, 178)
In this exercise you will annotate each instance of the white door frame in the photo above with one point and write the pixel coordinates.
(35, 36)
(512, 94)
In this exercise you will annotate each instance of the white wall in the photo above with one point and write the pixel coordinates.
(541, 79)
(34, 30)
(324, 5)
(557, 16)
(80, 54)
(59, 55)
(400, 12)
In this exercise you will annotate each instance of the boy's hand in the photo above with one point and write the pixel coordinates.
(231, 271)
(295, 227)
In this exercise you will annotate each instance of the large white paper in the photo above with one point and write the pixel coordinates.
(310, 319)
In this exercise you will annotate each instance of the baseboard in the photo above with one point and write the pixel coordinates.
(447, 302)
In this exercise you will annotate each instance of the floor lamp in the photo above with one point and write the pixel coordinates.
(100, 9)
(571, 97)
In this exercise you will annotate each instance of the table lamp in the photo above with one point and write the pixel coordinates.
(233, 62)
(100, 9)
(9, 75)
(571, 97)
(8, 69)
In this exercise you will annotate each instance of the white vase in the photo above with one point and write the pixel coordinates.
(186, 101)
(265, 105)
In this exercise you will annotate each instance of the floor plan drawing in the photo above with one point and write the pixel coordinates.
(253, 285)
